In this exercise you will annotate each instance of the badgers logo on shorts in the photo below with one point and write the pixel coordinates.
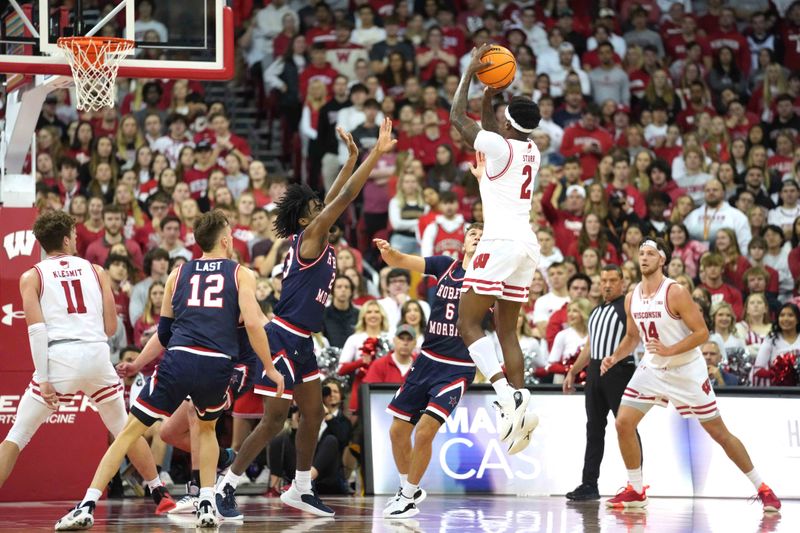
(19, 243)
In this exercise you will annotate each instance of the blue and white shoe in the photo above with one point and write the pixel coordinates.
(81, 517)
(187, 504)
(226, 504)
(206, 515)
(309, 502)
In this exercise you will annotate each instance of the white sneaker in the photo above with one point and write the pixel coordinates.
(401, 507)
(81, 517)
(309, 502)
(523, 438)
(419, 496)
(262, 478)
(187, 504)
(165, 478)
(206, 515)
(512, 413)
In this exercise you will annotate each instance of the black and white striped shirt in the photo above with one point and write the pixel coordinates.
(607, 325)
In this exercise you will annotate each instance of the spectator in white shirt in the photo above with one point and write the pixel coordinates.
(367, 33)
(551, 301)
(144, 22)
(715, 214)
(558, 74)
(398, 281)
(789, 209)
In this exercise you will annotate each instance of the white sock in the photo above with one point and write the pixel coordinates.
(207, 494)
(754, 478)
(302, 480)
(153, 484)
(503, 389)
(635, 479)
(229, 479)
(484, 356)
(409, 489)
(403, 479)
(92, 495)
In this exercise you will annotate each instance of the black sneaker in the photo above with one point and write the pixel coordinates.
(226, 504)
(584, 492)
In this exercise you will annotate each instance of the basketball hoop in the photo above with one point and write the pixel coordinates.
(94, 62)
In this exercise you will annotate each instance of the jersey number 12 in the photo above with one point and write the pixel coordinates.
(214, 285)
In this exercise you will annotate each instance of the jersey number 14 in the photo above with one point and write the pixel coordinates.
(650, 332)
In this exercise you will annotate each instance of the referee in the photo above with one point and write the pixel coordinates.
(607, 325)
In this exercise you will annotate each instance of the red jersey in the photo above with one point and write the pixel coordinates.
(449, 243)
(736, 42)
(576, 137)
(85, 237)
(326, 74)
(727, 293)
(197, 179)
(791, 47)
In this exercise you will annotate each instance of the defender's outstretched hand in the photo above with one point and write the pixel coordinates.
(480, 165)
(347, 139)
(385, 142)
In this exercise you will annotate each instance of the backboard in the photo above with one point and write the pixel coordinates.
(175, 39)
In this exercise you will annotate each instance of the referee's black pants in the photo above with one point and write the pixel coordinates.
(602, 394)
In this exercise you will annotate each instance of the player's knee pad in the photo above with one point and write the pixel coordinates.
(113, 415)
(30, 415)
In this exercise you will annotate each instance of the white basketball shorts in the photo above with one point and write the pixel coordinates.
(687, 387)
(85, 367)
(503, 269)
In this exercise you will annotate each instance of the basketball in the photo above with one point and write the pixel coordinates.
(503, 68)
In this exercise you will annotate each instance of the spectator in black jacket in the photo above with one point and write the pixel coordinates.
(324, 154)
(339, 319)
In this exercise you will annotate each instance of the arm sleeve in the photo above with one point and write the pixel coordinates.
(428, 238)
(305, 124)
(493, 145)
(437, 265)
(764, 353)
(271, 75)
(37, 335)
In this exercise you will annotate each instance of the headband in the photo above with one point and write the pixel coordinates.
(515, 124)
(652, 243)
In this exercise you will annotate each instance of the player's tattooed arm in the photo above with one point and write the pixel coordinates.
(347, 169)
(396, 259)
(488, 117)
(468, 128)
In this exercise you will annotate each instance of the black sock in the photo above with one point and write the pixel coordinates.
(223, 457)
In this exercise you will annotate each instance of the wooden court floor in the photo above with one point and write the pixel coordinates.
(490, 514)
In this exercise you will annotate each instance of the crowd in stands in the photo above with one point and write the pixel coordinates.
(660, 118)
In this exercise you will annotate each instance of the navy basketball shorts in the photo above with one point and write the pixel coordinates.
(293, 356)
(206, 379)
(243, 377)
(432, 388)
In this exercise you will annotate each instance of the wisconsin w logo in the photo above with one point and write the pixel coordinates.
(19, 243)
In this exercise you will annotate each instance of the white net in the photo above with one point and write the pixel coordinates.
(94, 62)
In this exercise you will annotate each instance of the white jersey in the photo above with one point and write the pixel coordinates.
(655, 321)
(507, 186)
(71, 299)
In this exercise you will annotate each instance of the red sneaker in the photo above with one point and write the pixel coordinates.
(628, 498)
(165, 504)
(771, 502)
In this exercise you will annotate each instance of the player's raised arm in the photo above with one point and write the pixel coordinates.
(488, 117)
(253, 322)
(316, 233)
(458, 112)
(397, 259)
(109, 307)
(347, 169)
(680, 303)
(628, 342)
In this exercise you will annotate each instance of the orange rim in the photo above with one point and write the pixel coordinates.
(94, 48)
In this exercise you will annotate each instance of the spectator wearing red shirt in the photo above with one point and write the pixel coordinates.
(672, 24)
(587, 140)
(318, 68)
(434, 52)
(593, 235)
(197, 176)
(677, 46)
(323, 32)
(120, 270)
(226, 142)
(729, 35)
(578, 286)
(660, 173)
(687, 119)
(283, 40)
(92, 228)
(98, 251)
(393, 367)
(454, 39)
(68, 185)
(712, 265)
(710, 21)
(567, 222)
(791, 38)
(621, 186)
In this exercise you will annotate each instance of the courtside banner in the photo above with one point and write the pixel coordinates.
(679, 458)
(59, 462)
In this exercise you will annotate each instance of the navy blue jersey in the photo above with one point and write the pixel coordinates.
(306, 287)
(442, 339)
(205, 302)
